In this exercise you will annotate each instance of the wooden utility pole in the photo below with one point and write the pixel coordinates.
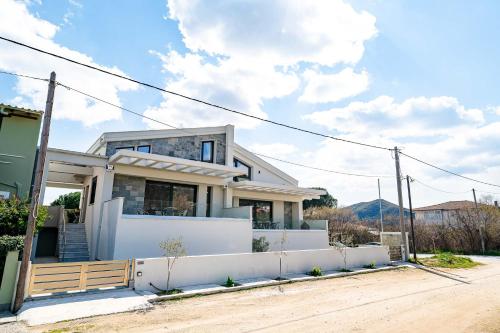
(380, 209)
(411, 220)
(401, 208)
(481, 235)
(30, 229)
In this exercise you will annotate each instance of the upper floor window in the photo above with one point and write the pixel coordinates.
(207, 151)
(244, 167)
(125, 148)
(144, 149)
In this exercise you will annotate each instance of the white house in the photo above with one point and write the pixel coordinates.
(142, 187)
(443, 213)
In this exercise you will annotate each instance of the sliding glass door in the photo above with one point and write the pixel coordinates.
(170, 199)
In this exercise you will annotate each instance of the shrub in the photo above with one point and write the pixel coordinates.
(449, 260)
(260, 245)
(371, 265)
(9, 243)
(316, 271)
(68, 201)
(230, 282)
(14, 216)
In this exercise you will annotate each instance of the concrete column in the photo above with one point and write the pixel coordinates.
(201, 201)
(217, 201)
(228, 197)
(45, 175)
(297, 214)
(279, 213)
(229, 144)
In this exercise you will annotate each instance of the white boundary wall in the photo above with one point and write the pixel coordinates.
(294, 239)
(214, 269)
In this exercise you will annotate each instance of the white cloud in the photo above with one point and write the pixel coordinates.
(224, 82)
(439, 130)
(242, 54)
(323, 88)
(16, 22)
(282, 32)
(279, 150)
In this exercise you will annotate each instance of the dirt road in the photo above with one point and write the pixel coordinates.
(408, 300)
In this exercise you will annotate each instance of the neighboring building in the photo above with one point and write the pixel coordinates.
(19, 130)
(442, 213)
(142, 187)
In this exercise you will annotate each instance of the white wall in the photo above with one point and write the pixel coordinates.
(214, 269)
(295, 239)
(110, 217)
(140, 236)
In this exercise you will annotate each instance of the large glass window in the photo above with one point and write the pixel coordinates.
(124, 148)
(209, 201)
(207, 151)
(262, 211)
(243, 167)
(170, 199)
(144, 149)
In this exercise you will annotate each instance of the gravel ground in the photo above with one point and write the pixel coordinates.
(407, 300)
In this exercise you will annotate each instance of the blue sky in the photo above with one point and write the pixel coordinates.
(417, 74)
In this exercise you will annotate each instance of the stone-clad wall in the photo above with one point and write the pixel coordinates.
(132, 190)
(188, 147)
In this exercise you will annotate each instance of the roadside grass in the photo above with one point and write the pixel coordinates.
(447, 260)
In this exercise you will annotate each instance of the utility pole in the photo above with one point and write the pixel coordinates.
(30, 229)
(380, 209)
(479, 221)
(404, 255)
(411, 220)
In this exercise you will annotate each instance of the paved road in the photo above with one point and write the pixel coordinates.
(408, 300)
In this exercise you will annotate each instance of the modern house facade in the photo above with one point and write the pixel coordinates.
(443, 213)
(19, 130)
(142, 187)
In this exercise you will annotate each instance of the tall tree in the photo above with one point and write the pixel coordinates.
(325, 200)
(68, 201)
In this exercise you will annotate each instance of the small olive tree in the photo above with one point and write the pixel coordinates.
(283, 240)
(172, 249)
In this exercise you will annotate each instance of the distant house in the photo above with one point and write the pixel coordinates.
(19, 129)
(445, 212)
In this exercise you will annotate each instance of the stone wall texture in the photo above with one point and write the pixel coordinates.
(188, 147)
(132, 190)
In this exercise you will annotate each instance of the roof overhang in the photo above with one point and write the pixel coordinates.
(168, 163)
(249, 185)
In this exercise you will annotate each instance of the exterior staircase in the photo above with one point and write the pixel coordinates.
(73, 246)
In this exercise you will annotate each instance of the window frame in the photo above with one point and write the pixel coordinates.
(131, 148)
(142, 146)
(93, 190)
(243, 177)
(212, 152)
(170, 192)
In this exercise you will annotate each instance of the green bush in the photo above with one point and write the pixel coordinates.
(371, 265)
(260, 245)
(230, 282)
(68, 201)
(316, 271)
(9, 243)
(14, 216)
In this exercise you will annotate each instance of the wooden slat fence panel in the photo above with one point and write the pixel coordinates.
(78, 276)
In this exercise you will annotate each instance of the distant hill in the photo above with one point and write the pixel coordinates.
(370, 210)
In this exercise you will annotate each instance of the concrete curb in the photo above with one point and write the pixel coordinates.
(271, 283)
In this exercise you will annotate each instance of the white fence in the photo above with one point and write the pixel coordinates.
(293, 239)
(214, 269)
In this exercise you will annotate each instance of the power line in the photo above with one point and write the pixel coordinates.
(181, 129)
(447, 171)
(192, 98)
(436, 189)
(25, 76)
(325, 170)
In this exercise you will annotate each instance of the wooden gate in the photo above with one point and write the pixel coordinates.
(77, 276)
